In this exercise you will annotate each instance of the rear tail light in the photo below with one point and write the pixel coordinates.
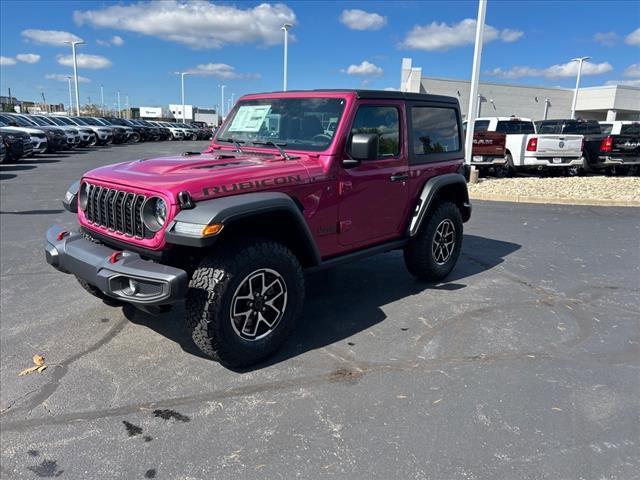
(532, 144)
(606, 144)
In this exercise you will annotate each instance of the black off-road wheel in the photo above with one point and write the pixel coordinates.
(244, 300)
(434, 251)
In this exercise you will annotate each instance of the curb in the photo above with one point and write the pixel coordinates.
(495, 197)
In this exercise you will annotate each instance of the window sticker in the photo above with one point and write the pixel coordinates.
(249, 118)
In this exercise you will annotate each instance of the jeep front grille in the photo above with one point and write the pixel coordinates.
(115, 209)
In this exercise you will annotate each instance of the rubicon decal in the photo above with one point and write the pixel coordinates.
(251, 185)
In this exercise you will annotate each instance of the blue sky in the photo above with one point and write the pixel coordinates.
(134, 47)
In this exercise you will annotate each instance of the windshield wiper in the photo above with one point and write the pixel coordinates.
(279, 146)
(233, 140)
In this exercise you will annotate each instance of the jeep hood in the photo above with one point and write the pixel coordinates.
(204, 175)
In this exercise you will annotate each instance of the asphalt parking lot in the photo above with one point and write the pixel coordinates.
(524, 364)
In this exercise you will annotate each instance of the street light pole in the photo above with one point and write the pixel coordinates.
(475, 80)
(75, 72)
(119, 109)
(285, 28)
(102, 99)
(222, 87)
(70, 96)
(233, 101)
(182, 74)
(581, 60)
(126, 102)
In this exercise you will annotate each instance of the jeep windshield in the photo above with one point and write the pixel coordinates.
(307, 124)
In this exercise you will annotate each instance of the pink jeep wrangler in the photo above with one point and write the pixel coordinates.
(292, 182)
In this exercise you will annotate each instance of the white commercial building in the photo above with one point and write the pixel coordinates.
(176, 112)
(150, 112)
(607, 102)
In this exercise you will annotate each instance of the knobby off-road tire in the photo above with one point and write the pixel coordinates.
(234, 280)
(430, 255)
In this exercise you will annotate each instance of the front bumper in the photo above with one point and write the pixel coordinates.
(40, 145)
(127, 277)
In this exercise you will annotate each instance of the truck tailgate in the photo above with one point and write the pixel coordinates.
(628, 145)
(559, 145)
(490, 144)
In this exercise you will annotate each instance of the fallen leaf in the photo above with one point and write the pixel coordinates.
(38, 360)
(437, 401)
(557, 409)
(27, 371)
(42, 368)
(401, 396)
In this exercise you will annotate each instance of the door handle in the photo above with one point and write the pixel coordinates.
(399, 177)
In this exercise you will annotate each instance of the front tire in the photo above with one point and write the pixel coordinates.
(434, 251)
(244, 300)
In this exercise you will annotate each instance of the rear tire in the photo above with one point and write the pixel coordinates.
(434, 251)
(231, 315)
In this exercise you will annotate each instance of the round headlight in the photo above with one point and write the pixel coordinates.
(83, 196)
(154, 213)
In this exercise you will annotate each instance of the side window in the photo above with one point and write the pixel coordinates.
(606, 128)
(383, 121)
(434, 130)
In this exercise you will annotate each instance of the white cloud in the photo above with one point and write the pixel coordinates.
(221, 71)
(195, 24)
(364, 69)
(608, 39)
(7, 61)
(85, 61)
(357, 19)
(117, 41)
(632, 71)
(28, 57)
(569, 69)
(441, 36)
(61, 77)
(633, 38)
(628, 83)
(509, 36)
(49, 37)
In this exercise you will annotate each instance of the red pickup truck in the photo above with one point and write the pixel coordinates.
(292, 182)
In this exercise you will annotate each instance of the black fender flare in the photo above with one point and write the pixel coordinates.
(430, 191)
(226, 210)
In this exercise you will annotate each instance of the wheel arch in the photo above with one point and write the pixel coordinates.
(272, 215)
(449, 187)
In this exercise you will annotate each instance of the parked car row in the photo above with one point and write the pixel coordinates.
(24, 135)
(503, 146)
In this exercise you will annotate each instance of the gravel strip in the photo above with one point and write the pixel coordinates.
(579, 188)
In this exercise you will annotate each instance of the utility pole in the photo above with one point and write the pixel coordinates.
(581, 60)
(70, 96)
(475, 80)
(126, 102)
(119, 109)
(285, 28)
(222, 87)
(102, 100)
(75, 72)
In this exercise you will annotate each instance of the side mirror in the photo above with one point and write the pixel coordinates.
(364, 146)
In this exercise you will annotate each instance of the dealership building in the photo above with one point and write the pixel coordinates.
(607, 102)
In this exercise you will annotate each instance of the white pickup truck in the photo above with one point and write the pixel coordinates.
(528, 150)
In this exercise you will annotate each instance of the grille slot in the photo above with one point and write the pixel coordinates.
(116, 210)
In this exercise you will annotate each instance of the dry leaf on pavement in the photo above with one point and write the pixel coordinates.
(39, 366)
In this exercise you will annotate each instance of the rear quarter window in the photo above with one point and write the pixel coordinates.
(434, 130)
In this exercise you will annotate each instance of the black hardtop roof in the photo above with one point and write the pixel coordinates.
(376, 94)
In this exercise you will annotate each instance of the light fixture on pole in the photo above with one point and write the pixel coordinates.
(222, 87)
(475, 80)
(75, 71)
(581, 60)
(285, 28)
(182, 74)
(70, 96)
(102, 99)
